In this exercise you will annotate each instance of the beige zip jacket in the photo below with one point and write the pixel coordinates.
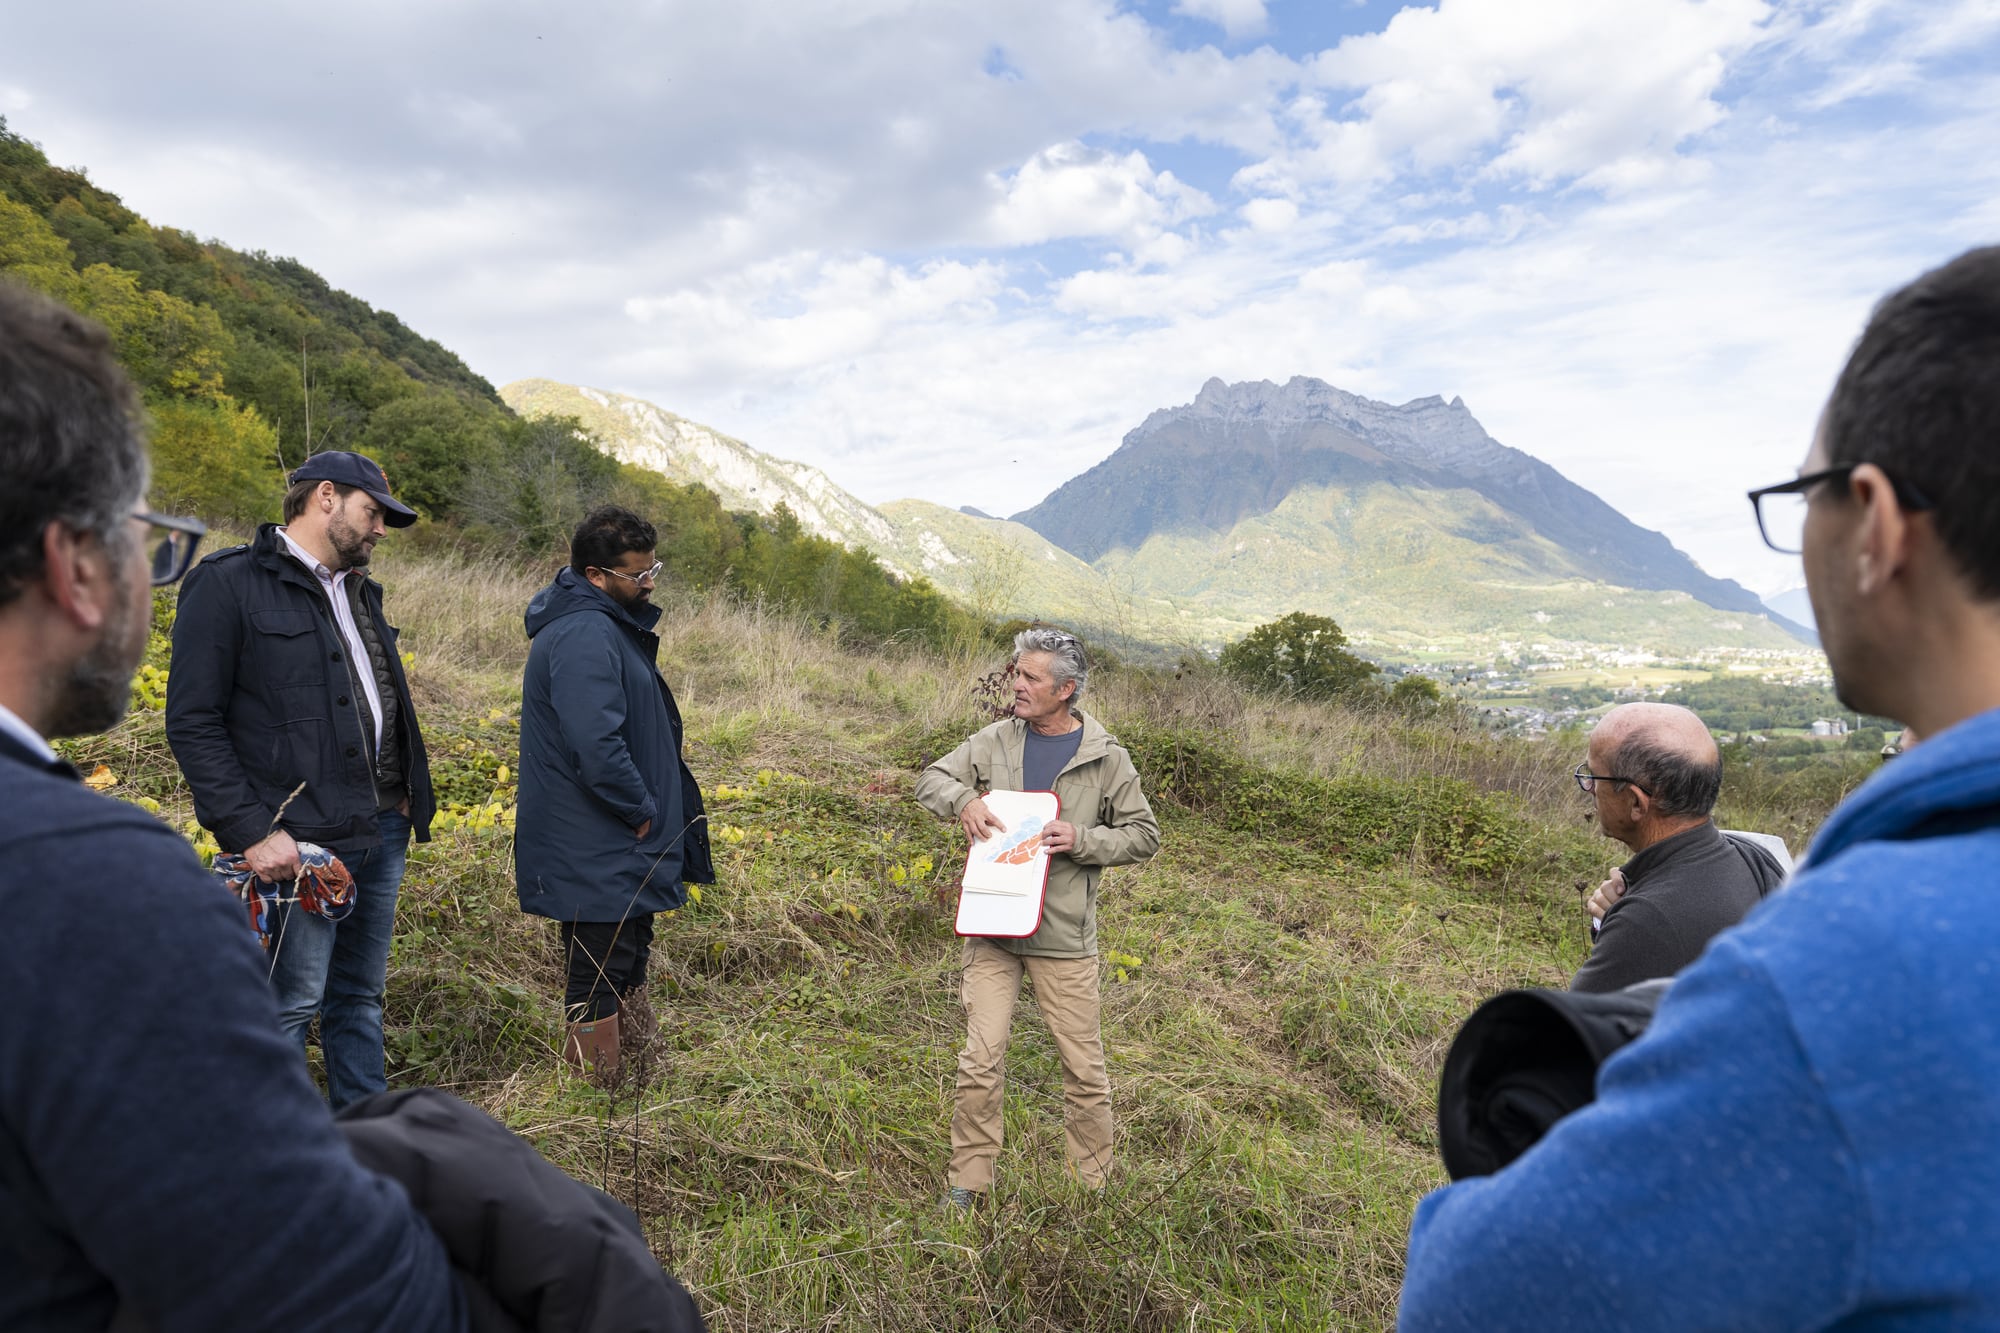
(1100, 795)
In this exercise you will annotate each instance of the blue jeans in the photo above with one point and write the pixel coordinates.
(338, 969)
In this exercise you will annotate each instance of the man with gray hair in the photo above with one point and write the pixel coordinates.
(1047, 744)
(1654, 772)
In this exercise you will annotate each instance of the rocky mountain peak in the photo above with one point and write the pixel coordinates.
(1239, 450)
(1427, 432)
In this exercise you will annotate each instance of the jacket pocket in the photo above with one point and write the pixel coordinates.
(286, 650)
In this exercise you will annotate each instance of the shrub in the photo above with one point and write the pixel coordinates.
(1301, 655)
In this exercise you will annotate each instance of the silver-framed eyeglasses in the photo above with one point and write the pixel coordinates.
(643, 576)
(1781, 509)
(170, 545)
(1586, 781)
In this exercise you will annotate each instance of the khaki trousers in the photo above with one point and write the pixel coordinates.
(1066, 992)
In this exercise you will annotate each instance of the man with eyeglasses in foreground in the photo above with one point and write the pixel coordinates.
(1805, 1135)
(290, 716)
(609, 829)
(1653, 773)
(164, 1159)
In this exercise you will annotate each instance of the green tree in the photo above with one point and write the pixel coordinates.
(1417, 695)
(1303, 655)
(31, 252)
(543, 477)
(215, 458)
(429, 443)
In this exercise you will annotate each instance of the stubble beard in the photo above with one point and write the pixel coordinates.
(349, 543)
(97, 688)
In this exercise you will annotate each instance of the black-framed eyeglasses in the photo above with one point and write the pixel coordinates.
(1781, 509)
(1586, 780)
(171, 545)
(644, 576)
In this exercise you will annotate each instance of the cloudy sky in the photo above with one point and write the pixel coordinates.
(957, 250)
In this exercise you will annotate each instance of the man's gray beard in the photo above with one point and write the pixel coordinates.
(95, 691)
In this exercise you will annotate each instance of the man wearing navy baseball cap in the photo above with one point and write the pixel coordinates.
(361, 473)
(290, 715)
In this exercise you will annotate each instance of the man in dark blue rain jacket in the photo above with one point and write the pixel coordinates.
(610, 825)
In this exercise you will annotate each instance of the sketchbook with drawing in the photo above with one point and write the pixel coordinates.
(1005, 875)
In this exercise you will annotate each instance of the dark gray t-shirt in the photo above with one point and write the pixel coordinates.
(1044, 757)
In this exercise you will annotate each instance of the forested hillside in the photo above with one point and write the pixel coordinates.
(249, 363)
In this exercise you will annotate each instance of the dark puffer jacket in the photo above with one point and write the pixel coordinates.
(600, 756)
(532, 1248)
(259, 700)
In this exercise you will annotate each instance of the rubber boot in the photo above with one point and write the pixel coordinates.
(592, 1048)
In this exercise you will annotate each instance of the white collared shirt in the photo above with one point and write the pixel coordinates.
(11, 723)
(343, 616)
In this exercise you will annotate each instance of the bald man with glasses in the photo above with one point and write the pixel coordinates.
(1653, 774)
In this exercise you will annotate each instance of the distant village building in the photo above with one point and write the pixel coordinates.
(1830, 727)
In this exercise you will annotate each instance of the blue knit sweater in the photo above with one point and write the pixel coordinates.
(1808, 1137)
(162, 1150)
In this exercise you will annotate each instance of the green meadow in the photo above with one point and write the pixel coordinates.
(1335, 891)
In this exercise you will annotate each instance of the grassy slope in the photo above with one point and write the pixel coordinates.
(1311, 935)
(1007, 569)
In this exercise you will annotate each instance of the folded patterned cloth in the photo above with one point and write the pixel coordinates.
(324, 888)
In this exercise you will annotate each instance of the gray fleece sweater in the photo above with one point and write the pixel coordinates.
(1679, 893)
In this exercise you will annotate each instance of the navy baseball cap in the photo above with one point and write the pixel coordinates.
(362, 473)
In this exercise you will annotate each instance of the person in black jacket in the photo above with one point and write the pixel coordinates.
(610, 823)
(288, 711)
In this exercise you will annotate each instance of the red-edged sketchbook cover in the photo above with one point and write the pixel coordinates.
(1006, 875)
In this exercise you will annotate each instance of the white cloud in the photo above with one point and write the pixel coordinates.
(1069, 190)
(1269, 214)
(787, 315)
(469, 121)
(1556, 91)
(1868, 54)
(1238, 18)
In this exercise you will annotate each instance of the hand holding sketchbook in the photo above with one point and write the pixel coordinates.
(1005, 874)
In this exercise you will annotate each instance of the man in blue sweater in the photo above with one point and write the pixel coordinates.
(1808, 1136)
(165, 1161)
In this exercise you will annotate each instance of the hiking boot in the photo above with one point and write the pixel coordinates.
(958, 1199)
(592, 1048)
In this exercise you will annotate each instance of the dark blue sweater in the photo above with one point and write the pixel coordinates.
(1808, 1136)
(161, 1146)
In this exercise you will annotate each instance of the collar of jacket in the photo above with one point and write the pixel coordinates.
(1096, 740)
(1956, 771)
(271, 552)
(570, 593)
(1645, 862)
(11, 749)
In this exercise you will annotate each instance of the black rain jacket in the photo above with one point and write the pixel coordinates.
(259, 700)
